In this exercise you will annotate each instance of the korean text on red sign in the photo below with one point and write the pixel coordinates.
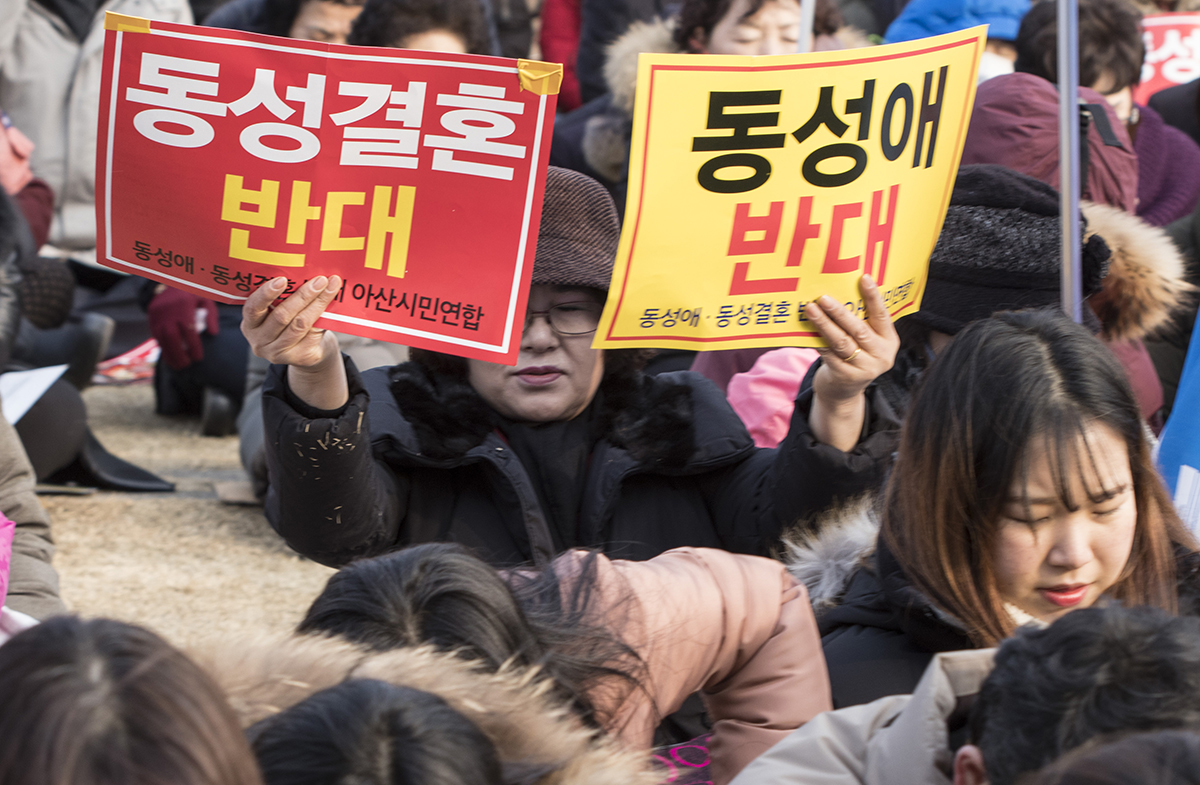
(226, 159)
(1172, 53)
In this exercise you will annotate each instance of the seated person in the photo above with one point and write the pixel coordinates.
(1111, 52)
(432, 25)
(108, 703)
(607, 634)
(1090, 674)
(457, 26)
(1023, 490)
(572, 447)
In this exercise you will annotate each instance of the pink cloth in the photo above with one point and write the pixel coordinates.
(7, 529)
(739, 629)
(765, 396)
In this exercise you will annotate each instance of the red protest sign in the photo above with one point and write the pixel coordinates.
(226, 159)
(1172, 53)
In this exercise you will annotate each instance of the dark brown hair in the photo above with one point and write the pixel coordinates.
(391, 22)
(1110, 40)
(703, 15)
(105, 703)
(1002, 383)
(1165, 757)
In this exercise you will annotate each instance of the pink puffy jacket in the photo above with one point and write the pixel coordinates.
(737, 628)
(765, 396)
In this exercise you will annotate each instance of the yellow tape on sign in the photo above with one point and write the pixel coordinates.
(540, 78)
(125, 24)
(757, 184)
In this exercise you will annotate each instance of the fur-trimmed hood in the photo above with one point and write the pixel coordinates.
(514, 708)
(671, 423)
(825, 556)
(853, 579)
(1146, 281)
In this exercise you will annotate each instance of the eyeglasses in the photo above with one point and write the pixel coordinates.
(579, 318)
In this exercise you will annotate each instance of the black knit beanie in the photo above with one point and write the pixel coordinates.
(1000, 249)
(577, 240)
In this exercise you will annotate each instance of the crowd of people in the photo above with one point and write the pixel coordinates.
(938, 550)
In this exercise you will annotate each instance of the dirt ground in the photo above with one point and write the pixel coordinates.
(183, 564)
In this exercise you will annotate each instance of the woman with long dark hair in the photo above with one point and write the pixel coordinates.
(1023, 489)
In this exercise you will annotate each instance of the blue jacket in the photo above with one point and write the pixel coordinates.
(923, 18)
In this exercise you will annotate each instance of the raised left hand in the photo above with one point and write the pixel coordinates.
(859, 351)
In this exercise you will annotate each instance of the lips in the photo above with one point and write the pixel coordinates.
(1066, 596)
(539, 375)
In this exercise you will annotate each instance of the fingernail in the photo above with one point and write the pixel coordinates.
(319, 282)
(277, 284)
(334, 282)
(868, 281)
(826, 301)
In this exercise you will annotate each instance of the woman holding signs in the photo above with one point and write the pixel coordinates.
(572, 447)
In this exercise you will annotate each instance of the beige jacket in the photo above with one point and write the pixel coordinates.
(50, 87)
(737, 628)
(513, 708)
(33, 583)
(898, 739)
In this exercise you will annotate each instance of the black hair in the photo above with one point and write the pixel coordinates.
(441, 594)
(277, 16)
(1110, 40)
(101, 702)
(390, 22)
(1093, 672)
(369, 732)
(1169, 757)
(704, 15)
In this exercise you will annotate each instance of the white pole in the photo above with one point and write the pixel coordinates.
(1068, 147)
(808, 11)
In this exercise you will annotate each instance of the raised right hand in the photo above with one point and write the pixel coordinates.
(284, 333)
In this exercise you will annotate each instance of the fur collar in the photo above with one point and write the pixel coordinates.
(651, 418)
(621, 62)
(514, 708)
(824, 557)
(1146, 281)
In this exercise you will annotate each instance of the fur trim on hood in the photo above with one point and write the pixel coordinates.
(621, 63)
(514, 707)
(823, 557)
(1145, 284)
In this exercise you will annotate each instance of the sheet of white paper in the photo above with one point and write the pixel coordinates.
(21, 389)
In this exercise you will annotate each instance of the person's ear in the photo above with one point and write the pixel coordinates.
(698, 42)
(968, 766)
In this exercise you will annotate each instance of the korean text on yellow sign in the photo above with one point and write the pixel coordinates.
(759, 184)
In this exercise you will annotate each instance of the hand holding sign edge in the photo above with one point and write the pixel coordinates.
(859, 352)
(284, 334)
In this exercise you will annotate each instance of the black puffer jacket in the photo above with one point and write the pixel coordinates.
(878, 630)
(417, 458)
(881, 636)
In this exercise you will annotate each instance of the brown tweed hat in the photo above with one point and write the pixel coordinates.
(577, 240)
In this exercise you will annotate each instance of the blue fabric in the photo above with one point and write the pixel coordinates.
(923, 18)
(1180, 444)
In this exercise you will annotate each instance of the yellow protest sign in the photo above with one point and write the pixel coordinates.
(759, 183)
